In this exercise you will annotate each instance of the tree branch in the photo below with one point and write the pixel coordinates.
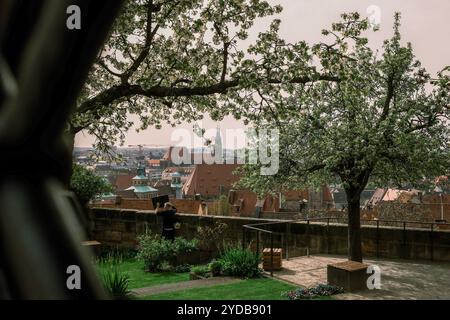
(387, 101)
(149, 36)
(108, 96)
(225, 61)
(106, 68)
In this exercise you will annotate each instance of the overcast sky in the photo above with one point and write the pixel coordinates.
(425, 23)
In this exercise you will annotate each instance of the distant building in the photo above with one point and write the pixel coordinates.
(210, 180)
(246, 203)
(340, 198)
(383, 195)
(411, 204)
(140, 186)
(154, 163)
(184, 172)
(177, 185)
(154, 174)
(163, 187)
(218, 148)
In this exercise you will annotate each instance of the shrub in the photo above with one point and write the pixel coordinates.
(156, 251)
(201, 270)
(116, 283)
(314, 292)
(216, 268)
(240, 262)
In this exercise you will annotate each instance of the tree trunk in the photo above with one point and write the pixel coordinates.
(354, 226)
(69, 140)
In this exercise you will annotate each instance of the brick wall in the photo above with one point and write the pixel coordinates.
(118, 227)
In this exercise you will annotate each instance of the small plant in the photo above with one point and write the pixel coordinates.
(314, 292)
(216, 268)
(239, 262)
(116, 283)
(201, 270)
(111, 257)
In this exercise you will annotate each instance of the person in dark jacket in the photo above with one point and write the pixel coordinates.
(168, 214)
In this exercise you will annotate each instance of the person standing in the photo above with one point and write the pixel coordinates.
(168, 214)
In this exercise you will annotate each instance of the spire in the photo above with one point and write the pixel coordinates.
(218, 136)
(218, 150)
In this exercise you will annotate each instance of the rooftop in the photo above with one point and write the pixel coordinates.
(142, 189)
(208, 179)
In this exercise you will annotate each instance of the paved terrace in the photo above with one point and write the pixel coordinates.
(400, 279)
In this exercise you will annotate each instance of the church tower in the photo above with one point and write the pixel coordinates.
(218, 148)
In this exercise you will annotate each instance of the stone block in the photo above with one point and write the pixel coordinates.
(350, 275)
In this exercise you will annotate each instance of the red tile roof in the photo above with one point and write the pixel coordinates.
(245, 200)
(154, 162)
(123, 181)
(207, 180)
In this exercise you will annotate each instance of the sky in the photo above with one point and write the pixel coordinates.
(425, 23)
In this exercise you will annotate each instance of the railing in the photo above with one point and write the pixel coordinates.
(258, 231)
(254, 227)
(262, 227)
(403, 223)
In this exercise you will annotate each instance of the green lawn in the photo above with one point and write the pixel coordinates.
(139, 278)
(250, 289)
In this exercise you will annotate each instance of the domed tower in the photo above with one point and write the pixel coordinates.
(176, 184)
(141, 178)
(139, 184)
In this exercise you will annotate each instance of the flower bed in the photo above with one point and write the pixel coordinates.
(315, 292)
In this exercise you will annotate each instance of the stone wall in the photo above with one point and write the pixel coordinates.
(128, 203)
(119, 227)
(182, 205)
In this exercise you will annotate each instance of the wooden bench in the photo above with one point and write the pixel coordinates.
(350, 275)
